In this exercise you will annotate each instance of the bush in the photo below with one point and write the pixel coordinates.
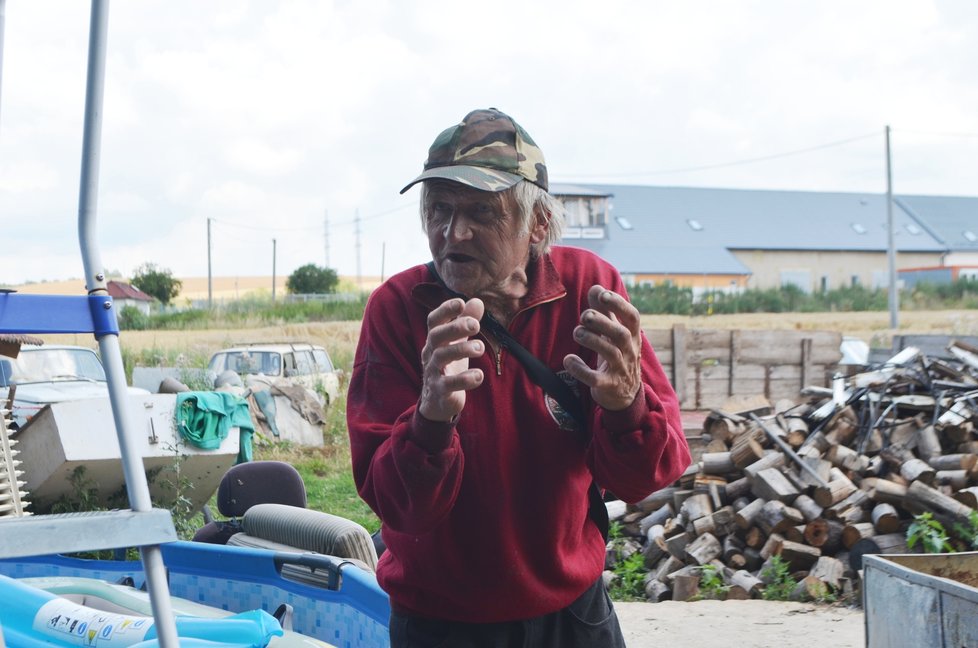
(133, 319)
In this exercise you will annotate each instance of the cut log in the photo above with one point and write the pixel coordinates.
(657, 499)
(809, 588)
(928, 443)
(745, 451)
(885, 518)
(656, 590)
(655, 545)
(853, 533)
(676, 545)
(918, 470)
(957, 461)
(829, 570)
(795, 533)
(824, 534)
(837, 490)
(769, 460)
(697, 506)
(733, 552)
(884, 490)
(685, 587)
(817, 467)
(718, 463)
(799, 556)
(754, 538)
(736, 489)
(746, 580)
(745, 517)
(703, 549)
(659, 516)
(776, 517)
(954, 479)
(845, 458)
(934, 500)
(968, 496)
(667, 566)
(843, 427)
(772, 546)
(771, 484)
(809, 508)
(842, 510)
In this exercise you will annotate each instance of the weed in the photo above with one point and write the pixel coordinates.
(629, 583)
(969, 533)
(929, 533)
(712, 585)
(780, 582)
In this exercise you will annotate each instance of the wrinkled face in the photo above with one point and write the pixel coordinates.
(476, 237)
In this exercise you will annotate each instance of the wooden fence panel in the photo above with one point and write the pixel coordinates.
(709, 366)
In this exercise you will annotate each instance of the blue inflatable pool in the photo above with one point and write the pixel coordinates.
(224, 596)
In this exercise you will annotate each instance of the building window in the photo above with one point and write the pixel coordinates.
(585, 211)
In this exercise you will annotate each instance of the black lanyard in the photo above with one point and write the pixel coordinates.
(550, 382)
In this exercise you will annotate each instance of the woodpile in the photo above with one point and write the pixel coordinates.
(819, 481)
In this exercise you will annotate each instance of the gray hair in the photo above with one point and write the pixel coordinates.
(528, 198)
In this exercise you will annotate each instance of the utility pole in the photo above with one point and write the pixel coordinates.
(356, 229)
(894, 294)
(210, 292)
(326, 230)
(273, 271)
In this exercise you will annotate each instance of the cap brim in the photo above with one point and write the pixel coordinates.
(479, 178)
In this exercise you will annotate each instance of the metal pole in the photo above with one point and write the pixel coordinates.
(273, 271)
(132, 465)
(210, 291)
(890, 244)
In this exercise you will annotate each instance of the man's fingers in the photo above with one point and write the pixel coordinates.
(615, 307)
(441, 357)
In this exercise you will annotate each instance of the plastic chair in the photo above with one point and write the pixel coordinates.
(244, 486)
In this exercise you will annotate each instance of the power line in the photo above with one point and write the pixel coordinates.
(719, 165)
(935, 133)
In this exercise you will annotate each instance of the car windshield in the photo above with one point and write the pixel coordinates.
(49, 365)
(247, 362)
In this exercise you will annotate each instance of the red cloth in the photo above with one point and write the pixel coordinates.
(495, 527)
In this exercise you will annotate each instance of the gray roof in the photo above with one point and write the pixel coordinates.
(662, 237)
(952, 220)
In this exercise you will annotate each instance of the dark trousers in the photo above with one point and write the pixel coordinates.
(588, 622)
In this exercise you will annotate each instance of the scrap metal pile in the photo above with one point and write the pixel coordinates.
(819, 481)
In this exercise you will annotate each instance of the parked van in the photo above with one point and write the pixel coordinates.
(306, 364)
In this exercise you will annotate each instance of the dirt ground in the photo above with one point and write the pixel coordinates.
(740, 624)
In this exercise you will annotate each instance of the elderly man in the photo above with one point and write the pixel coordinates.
(494, 391)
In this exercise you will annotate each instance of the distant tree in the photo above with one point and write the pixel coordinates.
(156, 282)
(311, 279)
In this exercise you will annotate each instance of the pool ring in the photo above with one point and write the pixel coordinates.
(34, 618)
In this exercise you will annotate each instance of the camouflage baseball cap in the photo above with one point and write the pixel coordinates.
(488, 151)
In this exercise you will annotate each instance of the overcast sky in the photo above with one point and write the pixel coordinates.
(274, 118)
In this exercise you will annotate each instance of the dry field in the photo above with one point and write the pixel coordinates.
(340, 337)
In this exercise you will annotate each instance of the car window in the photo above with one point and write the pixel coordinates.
(288, 363)
(305, 365)
(322, 361)
(56, 364)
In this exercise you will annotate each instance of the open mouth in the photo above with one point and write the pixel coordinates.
(459, 258)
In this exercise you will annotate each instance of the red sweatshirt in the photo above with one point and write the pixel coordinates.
(495, 527)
